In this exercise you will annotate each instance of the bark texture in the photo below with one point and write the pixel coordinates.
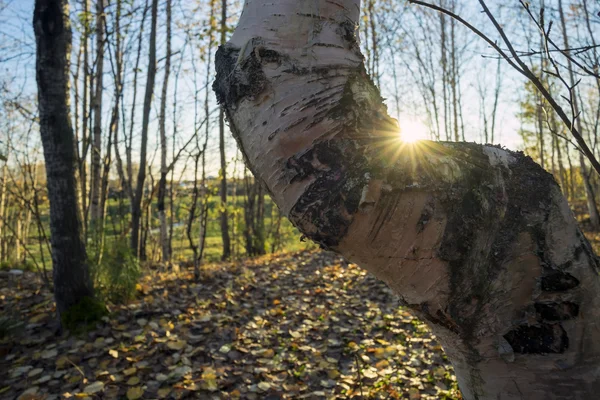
(162, 184)
(96, 209)
(224, 219)
(477, 240)
(53, 39)
(136, 206)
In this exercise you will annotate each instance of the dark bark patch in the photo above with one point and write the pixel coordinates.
(426, 215)
(52, 19)
(348, 31)
(557, 311)
(439, 318)
(472, 211)
(542, 339)
(240, 78)
(334, 196)
(559, 282)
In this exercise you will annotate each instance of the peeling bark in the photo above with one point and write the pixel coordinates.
(477, 240)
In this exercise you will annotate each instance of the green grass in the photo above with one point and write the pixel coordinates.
(117, 220)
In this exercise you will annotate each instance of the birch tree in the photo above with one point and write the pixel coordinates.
(478, 241)
(96, 166)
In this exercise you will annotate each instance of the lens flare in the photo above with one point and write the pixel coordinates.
(411, 131)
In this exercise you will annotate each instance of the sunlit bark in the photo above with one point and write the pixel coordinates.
(477, 240)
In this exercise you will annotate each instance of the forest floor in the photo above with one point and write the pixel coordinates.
(288, 326)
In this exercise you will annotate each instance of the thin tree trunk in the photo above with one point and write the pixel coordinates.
(113, 129)
(561, 169)
(203, 186)
(496, 99)
(375, 56)
(96, 166)
(53, 46)
(589, 191)
(162, 184)
(223, 171)
(136, 207)
(478, 241)
(454, 79)
(444, 60)
(84, 120)
(3, 210)
(29, 193)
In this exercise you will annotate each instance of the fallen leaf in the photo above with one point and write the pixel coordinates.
(134, 380)
(135, 393)
(94, 387)
(177, 345)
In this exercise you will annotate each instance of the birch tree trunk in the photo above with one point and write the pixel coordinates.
(53, 39)
(477, 240)
(96, 210)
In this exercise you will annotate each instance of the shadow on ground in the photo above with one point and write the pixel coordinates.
(289, 326)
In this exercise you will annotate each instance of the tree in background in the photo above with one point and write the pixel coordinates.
(223, 171)
(136, 206)
(162, 184)
(52, 30)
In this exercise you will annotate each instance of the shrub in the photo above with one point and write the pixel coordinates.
(117, 272)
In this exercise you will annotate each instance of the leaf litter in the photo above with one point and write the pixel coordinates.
(304, 325)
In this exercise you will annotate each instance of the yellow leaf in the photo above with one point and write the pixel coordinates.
(177, 345)
(268, 353)
(209, 380)
(390, 351)
(333, 373)
(210, 385)
(379, 353)
(130, 371)
(134, 380)
(163, 392)
(135, 393)
(113, 353)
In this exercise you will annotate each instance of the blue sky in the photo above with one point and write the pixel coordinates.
(16, 25)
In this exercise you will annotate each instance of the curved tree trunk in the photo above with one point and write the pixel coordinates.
(477, 240)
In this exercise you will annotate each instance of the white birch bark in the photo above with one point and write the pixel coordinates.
(477, 240)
